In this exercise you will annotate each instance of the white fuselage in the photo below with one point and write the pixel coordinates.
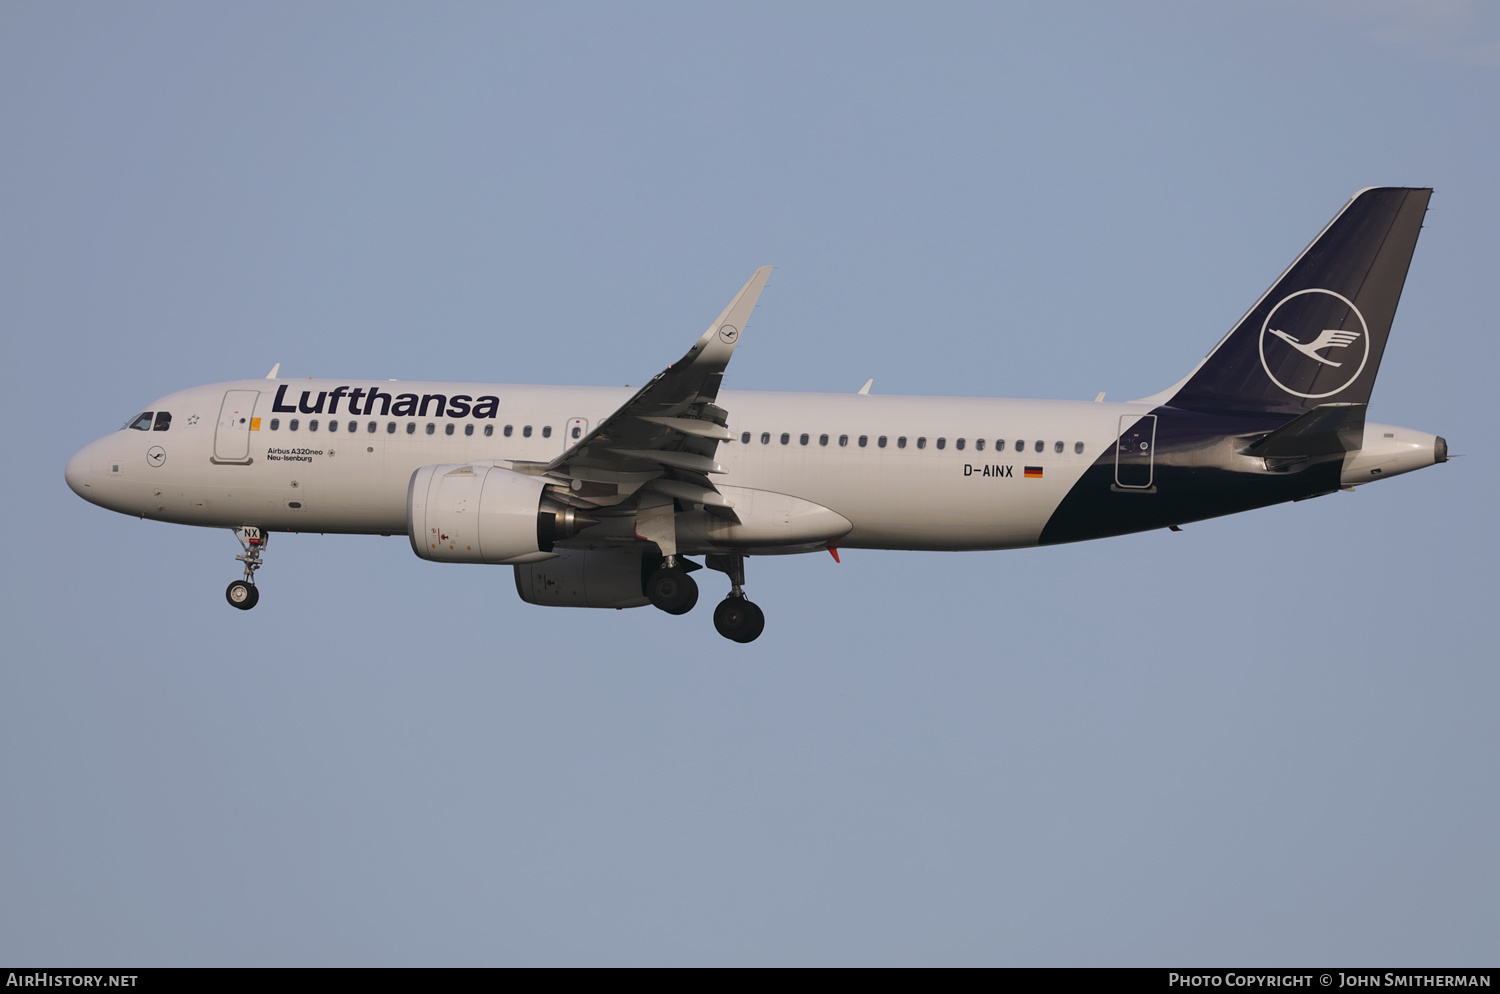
(951, 474)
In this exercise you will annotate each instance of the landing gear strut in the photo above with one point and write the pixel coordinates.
(243, 594)
(736, 618)
(671, 589)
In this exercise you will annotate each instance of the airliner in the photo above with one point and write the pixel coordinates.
(598, 496)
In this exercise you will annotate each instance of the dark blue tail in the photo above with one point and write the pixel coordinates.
(1317, 336)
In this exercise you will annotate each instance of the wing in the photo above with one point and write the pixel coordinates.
(665, 437)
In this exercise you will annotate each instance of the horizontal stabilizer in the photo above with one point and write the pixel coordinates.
(1326, 430)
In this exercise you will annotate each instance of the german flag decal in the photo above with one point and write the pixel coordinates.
(1033, 472)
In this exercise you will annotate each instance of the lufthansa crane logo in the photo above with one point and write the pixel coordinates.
(1301, 349)
(729, 334)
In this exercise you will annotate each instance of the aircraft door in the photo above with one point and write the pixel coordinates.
(236, 419)
(576, 429)
(1135, 453)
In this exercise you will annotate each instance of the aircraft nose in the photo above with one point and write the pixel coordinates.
(77, 473)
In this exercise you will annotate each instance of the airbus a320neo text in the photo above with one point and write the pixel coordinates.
(597, 497)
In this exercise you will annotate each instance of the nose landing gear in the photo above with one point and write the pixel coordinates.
(243, 594)
(736, 618)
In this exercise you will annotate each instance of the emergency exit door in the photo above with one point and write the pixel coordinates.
(576, 429)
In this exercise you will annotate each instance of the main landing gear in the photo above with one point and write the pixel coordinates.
(736, 618)
(670, 588)
(243, 594)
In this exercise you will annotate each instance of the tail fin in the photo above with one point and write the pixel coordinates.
(1316, 337)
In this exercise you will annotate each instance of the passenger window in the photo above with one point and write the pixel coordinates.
(526, 432)
(577, 432)
(275, 423)
(1020, 445)
(843, 440)
(942, 443)
(448, 428)
(765, 438)
(880, 441)
(785, 438)
(353, 427)
(999, 445)
(901, 442)
(292, 425)
(822, 439)
(390, 427)
(411, 427)
(864, 440)
(959, 444)
(371, 428)
(508, 430)
(332, 425)
(1057, 446)
(312, 425)
(142, 422)
(1040, 445)
(1078, 447)
(978, 445)
(431, 427)
(163, 421)
(745, 438)
(468, 429)
(804, 438)
(489, 430)
(921, 441)
(546, 431)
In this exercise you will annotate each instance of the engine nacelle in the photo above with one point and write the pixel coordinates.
(484, 514)
(610, 578)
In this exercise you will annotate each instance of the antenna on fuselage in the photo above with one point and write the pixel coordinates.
(274, 370)
(864, 391)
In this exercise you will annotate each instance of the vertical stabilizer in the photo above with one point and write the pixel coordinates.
(1317, 336)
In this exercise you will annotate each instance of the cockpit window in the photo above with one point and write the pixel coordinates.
(163, 421)
(142, 422)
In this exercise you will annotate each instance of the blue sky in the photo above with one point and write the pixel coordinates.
(1268, 739)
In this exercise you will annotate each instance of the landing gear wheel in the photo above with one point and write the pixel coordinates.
(242, 595)
(672, 590)
(739, 620)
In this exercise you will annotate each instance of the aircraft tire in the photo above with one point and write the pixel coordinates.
(672, 590)
(242, 595)
(739, 620)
